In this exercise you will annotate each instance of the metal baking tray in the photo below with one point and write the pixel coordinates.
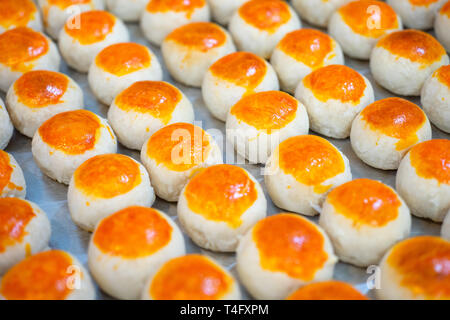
(52, 196)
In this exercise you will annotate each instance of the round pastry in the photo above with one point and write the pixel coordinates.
(435, 98)
(385, 130)
(80, 44)
(161, 17)
(258, 25)
(6, 127)
(402, 60)
(233, 77)
(144, 108)
(38, 95)
(188, 51)
(49, 275)
(333, 96)
(301, 52)
(191, 277)
(327, 290)
(363, 219)
(222, 11)
(67, 139)
(302, 170)
(442, 25)
(56, 12)
(219, 205)
(174, 153)
(416, 268)
(19, 13)
(120, 64)
(358, 25)
(127, 10)
(423, 179)
(129, 246)
(445, 230)
(260, 121)
(105, 184)
(23, 49)
(417, 14)
(25, 231)
(281, 253)
(12, 181)
(317, 12)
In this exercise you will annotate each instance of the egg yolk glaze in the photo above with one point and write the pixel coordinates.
(179, 146)
(266, 15)
(41, 88)
(94, 27)
(16, 13)
(309, 46)
(15, 214)
(221, 193)
(445, 9)
(191, 277)
(133, 232)
(107, 176)
(431, 160)
(20, 46)
(63, 4)
(397, 118)
(6, 170)
(157, 98)
(201, 36)
(244, 69)
(443, 75)
(290, 244)
(268, 110)
(423, 265)
(187, 6)
(327, 290)
(422, 3)
(44, 276)
(365, 202)
(337, 82)
(414, 45)
(123, 58)
(311, 160)
(369, 18)
(72, 132)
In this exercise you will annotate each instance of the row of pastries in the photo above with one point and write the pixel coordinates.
(139, 252)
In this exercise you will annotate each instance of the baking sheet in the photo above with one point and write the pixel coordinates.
(52, 196)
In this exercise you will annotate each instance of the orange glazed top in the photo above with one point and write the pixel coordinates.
(290, 244)
(156, 98)
(66, 3)
(179, 146)
(266, 15)
(359, 16)
(133, 232)
(397, 118)
(424, 3)
(107, 176)
(201, 36)
(15, 214)
(414, 45)
(72, 132)
(123, 58)
(446, 9)
(6, 170)
(43, 276)
(327, 290)
(431, 159)
(16, 13)
(221, 193)
(309, 46)
(243, 69)
(365, 202)
(95, 26)
(311, 160)
(337, 82)
(20, 46)
(443, 75)
(187, 6)
(41, 88)
(423, 265)
(268, 110)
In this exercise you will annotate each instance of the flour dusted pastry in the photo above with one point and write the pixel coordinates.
(222, 11)
(12, 181)
(327, 290)
(127, 10)
(6, 127)
(442, 25)
(19, 13)
(317, 12)
(417, 14)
